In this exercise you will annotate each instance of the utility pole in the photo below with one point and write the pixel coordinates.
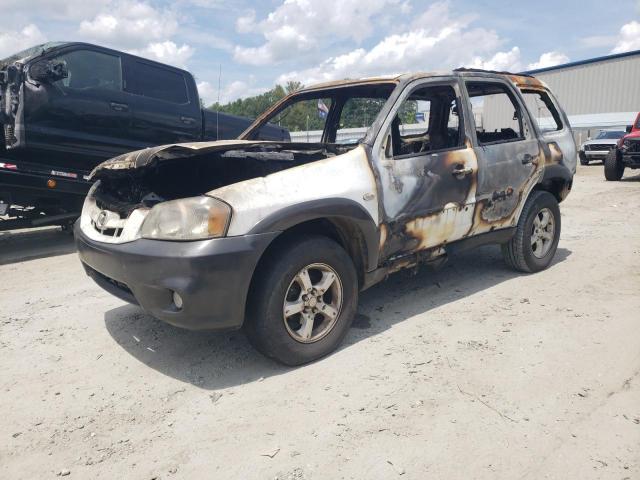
(218, 102)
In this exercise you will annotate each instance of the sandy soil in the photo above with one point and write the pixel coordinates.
(470, 372)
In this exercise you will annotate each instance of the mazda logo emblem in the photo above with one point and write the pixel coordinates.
(101, 219)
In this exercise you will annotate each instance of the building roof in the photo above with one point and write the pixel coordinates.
(583, 62)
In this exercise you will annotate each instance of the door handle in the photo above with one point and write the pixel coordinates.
(188, 120)
(527, 158)
(460, 172)
(119, 107)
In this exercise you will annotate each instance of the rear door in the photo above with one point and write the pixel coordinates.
(84, 114)
(164, 105)
(508, 151)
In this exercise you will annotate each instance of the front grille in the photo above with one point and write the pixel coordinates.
(110, 232)
(633, 146)
(599, 147)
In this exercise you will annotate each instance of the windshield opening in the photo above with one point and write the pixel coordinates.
(339, 115)
(610, 134)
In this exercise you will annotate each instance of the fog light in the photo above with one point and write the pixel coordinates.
(177, 300)
(51, 183)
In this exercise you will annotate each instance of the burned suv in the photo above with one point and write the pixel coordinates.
(280, 237)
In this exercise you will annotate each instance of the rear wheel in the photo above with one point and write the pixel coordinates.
(613, 166)
(303, 300)
(536, 239)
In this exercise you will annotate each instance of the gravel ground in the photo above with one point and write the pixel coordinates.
(473, 371)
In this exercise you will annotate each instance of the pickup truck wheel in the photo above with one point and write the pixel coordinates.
(613, 166)
(303, 300)
(536, 239)
(583, 159)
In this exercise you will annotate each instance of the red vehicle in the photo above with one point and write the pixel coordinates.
(626, 154)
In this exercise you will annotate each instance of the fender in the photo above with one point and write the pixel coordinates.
(557, 172)
(336, 208)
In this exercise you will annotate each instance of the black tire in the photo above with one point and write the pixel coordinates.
(583, 159)
(265, 323)
(613, 166)
(519, 252)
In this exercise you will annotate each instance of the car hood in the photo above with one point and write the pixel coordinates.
(602, 141)
(635, 134)
(148, 156)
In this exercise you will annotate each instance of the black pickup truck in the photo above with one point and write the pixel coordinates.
(66, 107)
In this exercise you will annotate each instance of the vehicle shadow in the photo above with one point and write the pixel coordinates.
(635, 178)
(23, 245)
(213, 360)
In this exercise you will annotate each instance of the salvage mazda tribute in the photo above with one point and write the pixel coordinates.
(280, 237)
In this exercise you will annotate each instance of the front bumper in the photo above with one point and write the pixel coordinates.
(212, 276)
(631, 160)
(596, 154)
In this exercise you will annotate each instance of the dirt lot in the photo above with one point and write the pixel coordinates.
(470, 372)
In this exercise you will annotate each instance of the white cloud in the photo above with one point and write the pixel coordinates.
(298, 26)
(501, 61)
(549, 59)
(240, 89)
(167, 52)
(207, 93)
(130, 25)
(12, 41)
(58, 9)
(436, 40)
(229, 92)
(247, 22)
(628, 38)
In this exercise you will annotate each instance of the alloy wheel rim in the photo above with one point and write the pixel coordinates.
(542, 233)
(312, 303)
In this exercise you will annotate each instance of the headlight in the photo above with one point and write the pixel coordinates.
(187, 219)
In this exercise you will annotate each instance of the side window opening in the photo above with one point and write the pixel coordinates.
(542, 110)
(152, 81)
(91, 70)
(500, 113)
(427, 121)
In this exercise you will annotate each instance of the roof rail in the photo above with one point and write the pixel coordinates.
(480, 70)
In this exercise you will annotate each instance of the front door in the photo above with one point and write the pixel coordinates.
(84, 114)
(428, 170)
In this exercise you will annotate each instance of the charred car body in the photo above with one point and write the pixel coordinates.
(66, 107)
(626, 154)
(280, 237)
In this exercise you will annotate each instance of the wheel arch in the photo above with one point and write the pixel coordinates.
(557, 180)
(342, 220)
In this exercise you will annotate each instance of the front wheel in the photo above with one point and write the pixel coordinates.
(613, 166)
(536, 239)
(302, 301)
(583, 159)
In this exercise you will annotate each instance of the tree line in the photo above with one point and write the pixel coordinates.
(305, 115)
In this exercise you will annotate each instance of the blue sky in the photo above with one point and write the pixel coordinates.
(261, 43)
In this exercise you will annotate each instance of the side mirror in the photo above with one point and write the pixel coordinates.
(49, 71)
(629, 128)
